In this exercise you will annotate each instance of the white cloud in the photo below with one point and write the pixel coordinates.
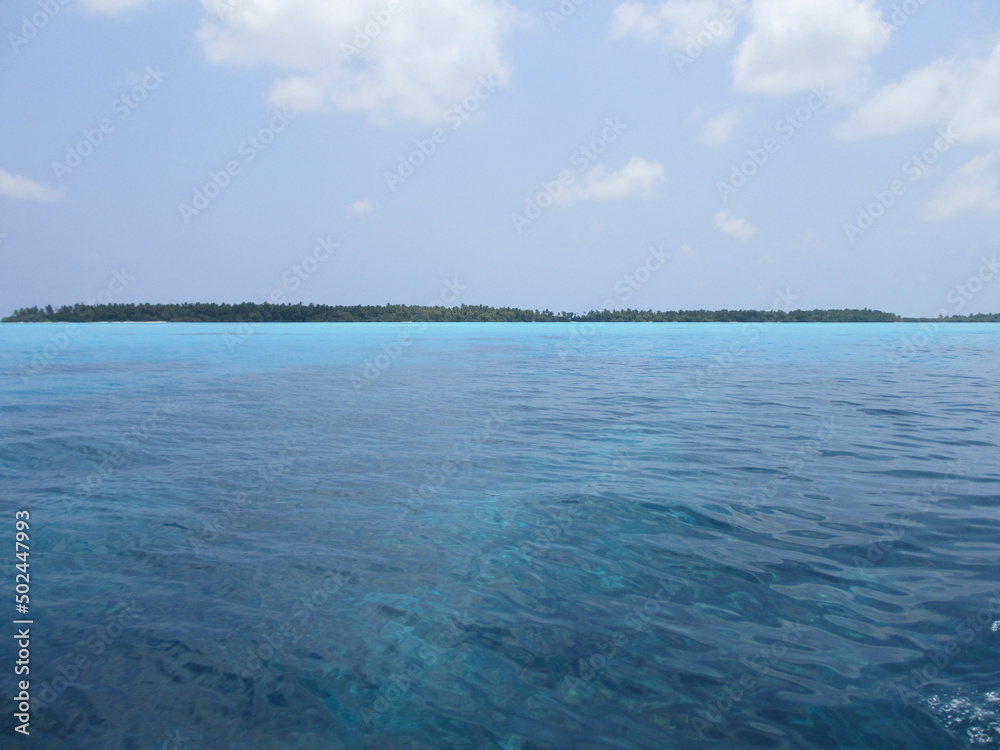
(978, 112)
(734, 226)
(390, 59)
(797, 45)
(21, 188)
(719, 128)
(973, 187)
(362, 208)
(965, 95)
(923, 97)
(637, 177)
(679, 23)
(810, 239)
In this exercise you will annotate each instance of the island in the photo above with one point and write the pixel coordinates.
(246, 312)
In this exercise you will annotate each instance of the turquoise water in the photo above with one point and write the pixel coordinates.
(507, 536)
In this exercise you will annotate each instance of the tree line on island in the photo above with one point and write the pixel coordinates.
(252, 312)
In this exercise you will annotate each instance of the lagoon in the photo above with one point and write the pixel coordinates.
(508, 535)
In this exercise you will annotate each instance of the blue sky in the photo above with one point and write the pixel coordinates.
(668, 155)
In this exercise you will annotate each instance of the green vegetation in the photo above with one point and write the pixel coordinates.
(250, 312)
(978, 318)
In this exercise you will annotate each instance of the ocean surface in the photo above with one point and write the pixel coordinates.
(499, 536)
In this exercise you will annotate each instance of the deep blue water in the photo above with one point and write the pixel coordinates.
(506, 536)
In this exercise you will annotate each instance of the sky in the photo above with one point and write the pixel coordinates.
(573, 155)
